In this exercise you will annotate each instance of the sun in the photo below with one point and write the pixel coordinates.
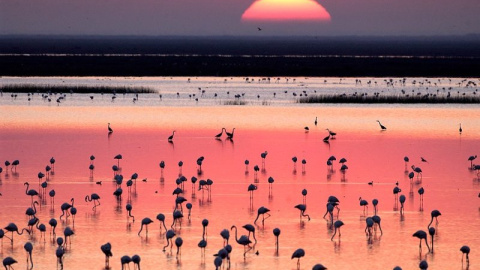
(286, 10)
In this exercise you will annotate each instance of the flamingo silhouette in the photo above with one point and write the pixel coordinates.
(420, 234)
(7, 262)
(225, 235)
(276, 233)
(107, 250)
(320, 267)
(431, 231)
(337, 226)
(434, 214)
(381, 126)
(128, 207)
(110, 130)
(251, 230)
(125, 260)
(95, 198)
(30, 192)
(170, 138)
(299, 253)
(219, 134)
(471, 159)
(302, 208)
(170, 234)
(262, 211)
(178, 243)
(465, 250)
(12, 227)
(65, 207)
(29, 248)
(230, 135)
(244, 241)
(136, 261)
(145, 223)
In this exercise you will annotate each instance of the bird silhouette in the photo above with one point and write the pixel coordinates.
(423, 265)
(337, 226)
(128, 207)
(465, 251)
(95, 198)
(460, 129)
(230, 135)
(319, 267)
(110, 130)
(262, 211)
(107, 250)
(12, 227)
(29, 248)
(161, 218)
(302, 208)
(251, 230)
(243, 240)
(125, 260)
(471, 159)
(420, 234)
(136, 261)
(170, 138)
(145, 223)
(225, 234)
(434, 214)
(169, 235)
(219, 134)
(178, 243)
(297, 254)
(276, 233)
(7, 262)
(381, 126)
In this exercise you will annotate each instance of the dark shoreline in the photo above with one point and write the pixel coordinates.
(247, 56)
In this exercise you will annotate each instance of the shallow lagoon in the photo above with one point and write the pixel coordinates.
(77, 129)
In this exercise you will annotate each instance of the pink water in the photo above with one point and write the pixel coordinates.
(71, 134)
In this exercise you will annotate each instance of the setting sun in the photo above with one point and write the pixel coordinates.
(286, 10)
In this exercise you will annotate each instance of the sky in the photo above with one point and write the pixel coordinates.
(229, 17)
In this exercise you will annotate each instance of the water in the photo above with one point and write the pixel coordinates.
(71, 132)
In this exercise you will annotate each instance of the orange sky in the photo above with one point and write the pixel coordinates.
(289, 10)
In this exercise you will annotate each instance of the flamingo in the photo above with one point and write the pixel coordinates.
(331, 133)
(178, 243)
(337, 226)
(7, 262)
(420, 234)
(251, 230)
(465, 250)
(107, 250)
(125, 260)
(434, 214)
(316, 121)
(402, 201)
(363, 203)
(381, 126)
(263, 156)
(14, 164)
(251, 188)
(418, 170)
(423, 265)
(42, 228)
(136, 261)
(326, 139)
(219, 134)
(262, 211)
(118, 158)
(302, 208)
(243, 240)
(29, 248)
(230, 135)
(375, 203)
(225, 235)
(110, 130)
(65, 207)
(376, 219)
(304, 194)
(170, 138)
(246, 165)
(299, 253)
(177, 215)
(217, 262)
(31, 212)
(53, 224)
(95, 198)
(161, 218)
(460, 129)
(189, 207)
(59, 253)
(30, 192)
(320, 267)
(11, 227)
(471, 159)
(68, 232)
(170, 234)
(368, 228)
(431, 231)
(129, 207)
(276, 233)
(145, 223)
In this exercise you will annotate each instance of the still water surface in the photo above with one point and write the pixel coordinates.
(72, 133)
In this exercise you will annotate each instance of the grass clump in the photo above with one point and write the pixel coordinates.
(403, 99)
(79, 89)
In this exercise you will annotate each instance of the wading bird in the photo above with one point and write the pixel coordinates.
(381, 126)
(337, 226)
(297, 254)
(243, 240)
(420, 234)
(107, 250)
(145, 223)
(262, 211)
(95, 198)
